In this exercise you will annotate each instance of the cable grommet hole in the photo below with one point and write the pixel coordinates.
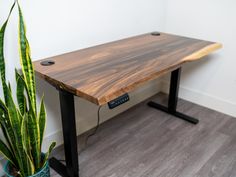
(47, 62)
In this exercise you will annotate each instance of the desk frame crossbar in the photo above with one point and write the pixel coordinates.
(173, 99)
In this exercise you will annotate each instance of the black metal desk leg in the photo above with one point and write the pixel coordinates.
(70, 138)
(173, 99)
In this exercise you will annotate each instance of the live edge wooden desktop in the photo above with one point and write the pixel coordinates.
(102, 73)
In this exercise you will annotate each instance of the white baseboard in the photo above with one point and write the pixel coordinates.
(203, 99)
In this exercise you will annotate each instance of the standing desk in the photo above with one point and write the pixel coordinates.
(102, 73)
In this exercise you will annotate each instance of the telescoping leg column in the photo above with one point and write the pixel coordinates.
(71, 169)
(173, 99)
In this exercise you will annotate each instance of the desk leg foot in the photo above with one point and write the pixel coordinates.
(58, 167)
(173, 99)
(177, 114)
(71, 169)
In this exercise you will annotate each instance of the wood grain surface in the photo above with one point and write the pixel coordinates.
(102, 73)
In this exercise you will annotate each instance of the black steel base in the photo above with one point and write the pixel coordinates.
(71, 169)
(58, 167)
(176, 113)
(173, 99)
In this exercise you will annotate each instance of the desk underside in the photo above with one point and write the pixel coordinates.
(102, 73)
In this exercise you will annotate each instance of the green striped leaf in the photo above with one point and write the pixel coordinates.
(25, 135)
(15, 121)
(34, 140)
(8, 130)
(6, 152)
(2, 60)
(49, 152)
(34, 135)
(20, 93)
(6, 135)
(27, 147)
(27, 66)
(33, 128)
(42, 120)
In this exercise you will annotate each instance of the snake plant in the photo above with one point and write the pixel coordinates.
(22, 124)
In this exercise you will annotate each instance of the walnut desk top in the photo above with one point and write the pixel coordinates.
(104, 72)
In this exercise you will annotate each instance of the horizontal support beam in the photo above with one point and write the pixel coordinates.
(59, 167)
(175, 113)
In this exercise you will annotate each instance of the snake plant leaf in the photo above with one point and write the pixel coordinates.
(6, 124)
(42, 120)
(20, 88)
(48, 153)
(5, 133)
(33, 129)
(11, 108)
(16, 125)
(21, 80)
(9, 87)
(30, 165)
(25, 58)
(6, 152)
(36, 129)
(2, 60)
(26, 145)
(4, 127)
(25, 135)
(3, 107)
(34, 135)
(7, 129)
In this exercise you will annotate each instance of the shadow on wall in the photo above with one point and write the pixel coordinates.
(194, 70)
(193, 67)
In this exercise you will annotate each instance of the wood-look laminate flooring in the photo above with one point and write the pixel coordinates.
(145, 142)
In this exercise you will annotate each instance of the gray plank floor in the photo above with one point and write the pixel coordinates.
(145, 142)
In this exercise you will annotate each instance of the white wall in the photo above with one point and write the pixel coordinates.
(210, 82)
